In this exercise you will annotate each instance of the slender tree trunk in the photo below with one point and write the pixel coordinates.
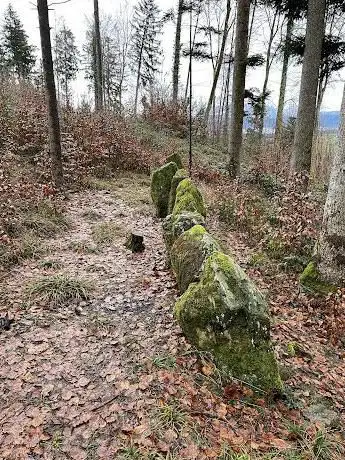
(227, 105)
(267, 74)
(283, 82)
(331, 246)
(303, 141)
(192, 49)
(53, 115)
(138, 75)
(219, 62)
(98, 60)
(238, 87)
(177, 52)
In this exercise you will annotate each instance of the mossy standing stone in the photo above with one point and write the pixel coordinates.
(188, 198)
(189, 253)
(160, 187)
(180, 175)
(226, 315)
(176, 225)
(175, 158)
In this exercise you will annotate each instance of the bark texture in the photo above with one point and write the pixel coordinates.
(238, 86)
(283, 81)
(98, 60)
(303, 141)
(331, 246)
(177, 52)
(53, 115)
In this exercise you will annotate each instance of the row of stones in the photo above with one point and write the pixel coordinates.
(220, 310)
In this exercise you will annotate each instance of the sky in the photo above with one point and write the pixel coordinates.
(75, 13)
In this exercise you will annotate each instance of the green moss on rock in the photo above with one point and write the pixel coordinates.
(188, 198)
(160, 187)
(188, 254)
(176, 225)
(226, 315)
(178, 177)
(175, 158)
(311, 281)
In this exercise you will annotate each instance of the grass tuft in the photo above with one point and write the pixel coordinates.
(58, 289)
(106, 233)
(171, 416)
(164, 362)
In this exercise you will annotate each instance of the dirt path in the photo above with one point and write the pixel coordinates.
(71, 383)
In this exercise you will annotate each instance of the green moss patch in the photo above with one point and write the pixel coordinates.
(176, 225)
(226, 315)
(188, 198)
(311, 281)
(180, 175)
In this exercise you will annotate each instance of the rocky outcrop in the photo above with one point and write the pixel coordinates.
(180, 175)
(220, 311)
(160, 187)
(226, 315)
(188, 198)
(189, 253)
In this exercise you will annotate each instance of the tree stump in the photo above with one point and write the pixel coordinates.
(135, 243)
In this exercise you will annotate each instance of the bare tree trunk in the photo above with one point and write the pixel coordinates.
(219, 62)
(138, 75)
(303, 141)
(53, 115)
(283, 82)
(331, 246)
(98, 60)
(273, 32)
(177, 52)
(238, 86)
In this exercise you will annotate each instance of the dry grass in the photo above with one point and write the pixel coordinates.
(58, 289)
(107, 233)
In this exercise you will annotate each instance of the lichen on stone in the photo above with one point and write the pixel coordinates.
(160, 187)
(175, 158)
(226, 315)
(178, 177)
(311, 281)
(176, 225)
(188, 198)
(188, 254)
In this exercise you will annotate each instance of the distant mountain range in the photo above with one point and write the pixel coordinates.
(329, 120)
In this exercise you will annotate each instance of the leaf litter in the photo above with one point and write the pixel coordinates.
(117, 373)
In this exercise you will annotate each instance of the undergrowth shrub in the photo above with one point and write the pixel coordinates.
(168, 115)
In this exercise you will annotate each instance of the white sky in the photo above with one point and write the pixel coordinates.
(76, 11)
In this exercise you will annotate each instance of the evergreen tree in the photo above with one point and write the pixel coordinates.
(146, 50)
(66, 59)
(18, 54)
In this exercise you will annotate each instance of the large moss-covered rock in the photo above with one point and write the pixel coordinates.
(188, 254)
(311, 281)
(188, 198)
(175, 158)
(226, 315)
(176, 225)
(160, 187)
(180, 175)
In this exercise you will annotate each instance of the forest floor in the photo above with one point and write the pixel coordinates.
(110, 376)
